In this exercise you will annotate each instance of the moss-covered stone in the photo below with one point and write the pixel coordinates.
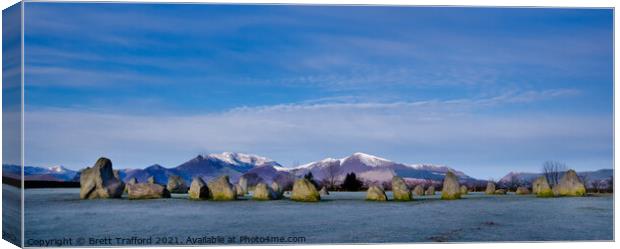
(569, 185)
(418, 190)
(221, 189)
(464, 190)
(430, 191)
(541, 188)
(400, 190)
(451, 189)
(490, 189)
(238, 190)
(262, 192)
(242, 186)
(376, 193)
(305, 191)
(198, 190)
(522, 191)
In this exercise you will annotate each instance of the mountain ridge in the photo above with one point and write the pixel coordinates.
(370, 168)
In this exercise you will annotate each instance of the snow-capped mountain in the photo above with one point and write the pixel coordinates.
(206, 166)
(374, 169)
(32, 173)
(243, 159)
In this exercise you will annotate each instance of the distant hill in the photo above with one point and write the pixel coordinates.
(255, 168)
(601, 174)
(375, 169)
(33, 173)
(206, 166)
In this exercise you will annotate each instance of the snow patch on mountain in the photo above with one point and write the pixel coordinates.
(243, 159)
(370, 160)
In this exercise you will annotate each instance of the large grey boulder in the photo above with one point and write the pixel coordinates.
(176, 184)
(262, 192)
(100, 181)
(221, 189)
(132, 180)
(239, 190)
(418, 190)
(376, 193)
(323, 191)
(243, 185)
(451, 189)
(541, 188)
(490, 188)
(430, 190)
(569, 185)
(198, 190)
(147, 191)
(464, 190)
(276, 191)
(304, 190)
(522, 191)
(400, 190)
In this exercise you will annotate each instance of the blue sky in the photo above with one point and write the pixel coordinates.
(483, 90)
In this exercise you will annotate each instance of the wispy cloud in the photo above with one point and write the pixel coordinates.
(354, 102)
(423, 131)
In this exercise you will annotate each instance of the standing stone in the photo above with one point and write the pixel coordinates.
(500, 192)
(304, 190)
(151, 179)
(238, 190)
(418, 190)
(490, 188)
(430, 190)
(221, 189)
(376, 193)
(464, 190)
(147, 191)
(277, 191)
(400, 190)
(117, 174)
(570, 185)
(451, 189)
(262, 192)
(176, 184)
(100, 181)
(198, 190)
(541, 188)
(324, 191)
(132, 180)
(243, 184)
(522, 191)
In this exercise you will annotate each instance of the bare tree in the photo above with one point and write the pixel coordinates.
(333, 171)
(585, 178)
(513, 183)
(552, 171)
(427, 183)
(597, 185)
